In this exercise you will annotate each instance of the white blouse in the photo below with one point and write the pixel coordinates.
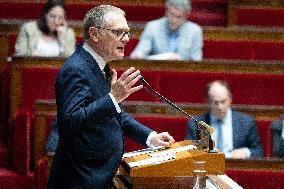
(47, 48)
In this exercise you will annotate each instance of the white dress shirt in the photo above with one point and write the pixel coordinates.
(227, 134)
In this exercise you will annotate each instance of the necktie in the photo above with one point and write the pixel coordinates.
(107, 73)
(220, 134)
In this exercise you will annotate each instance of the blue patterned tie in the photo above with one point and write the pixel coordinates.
(220, 134)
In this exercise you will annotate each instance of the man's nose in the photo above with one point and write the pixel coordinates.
(125, 38)
(219, 105)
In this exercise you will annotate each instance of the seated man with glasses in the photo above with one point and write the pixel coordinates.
(171, 37)
(91, 122)
(49, 36)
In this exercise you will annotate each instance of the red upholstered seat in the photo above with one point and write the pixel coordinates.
(3, 155)
(267, 50)
(265, 136)
(37, 83)
(18, 174)
(212, 49)
(232, 49)
(254, 89)
(133, 12)
(225, 49)
(260, 16)
(206, 18)
(41, 174)
(14, 10)
(11, 180)
(257, 179)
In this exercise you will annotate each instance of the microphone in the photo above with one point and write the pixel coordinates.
(200, 124)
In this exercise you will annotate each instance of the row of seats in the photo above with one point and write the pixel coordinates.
(233, 49)
(31, 80)
(29, 83)
(34, 79)
(212, 49)
(176, 126)
(16, 174)
(210, 13)
(204, 12)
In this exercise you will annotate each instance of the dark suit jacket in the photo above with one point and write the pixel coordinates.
(245, 133)
(90, 129)
(277, 140)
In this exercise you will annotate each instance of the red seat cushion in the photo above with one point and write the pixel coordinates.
(258, 179)
(11, 180)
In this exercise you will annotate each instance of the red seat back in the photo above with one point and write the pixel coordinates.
(257, 179)
(265, 136)
(21, 131)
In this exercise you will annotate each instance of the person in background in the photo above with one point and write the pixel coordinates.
(235, 133)
(49, 36)
(171, 37)
(277, 136)
(90, 119)
(52, 140)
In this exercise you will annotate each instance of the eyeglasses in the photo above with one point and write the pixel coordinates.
(118, 33)
(53, 17)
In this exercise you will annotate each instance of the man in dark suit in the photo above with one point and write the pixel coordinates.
(90, 121)
(235, 133)
(277, 136)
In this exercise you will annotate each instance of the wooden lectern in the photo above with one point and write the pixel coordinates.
(166, 167)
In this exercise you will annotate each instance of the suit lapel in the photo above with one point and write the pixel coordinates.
(95, 68)
(98, 73)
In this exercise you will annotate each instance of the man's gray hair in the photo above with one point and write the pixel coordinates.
(182, 4)
(99, 16)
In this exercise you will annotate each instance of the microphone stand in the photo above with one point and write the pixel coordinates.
(200, 124)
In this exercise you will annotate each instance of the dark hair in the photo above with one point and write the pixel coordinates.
(50, 4)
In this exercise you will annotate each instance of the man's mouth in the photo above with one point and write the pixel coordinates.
(121, 48)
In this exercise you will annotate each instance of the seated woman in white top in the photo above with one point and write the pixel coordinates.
(49, 36)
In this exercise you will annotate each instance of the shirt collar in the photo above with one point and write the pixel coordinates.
(228, 116)
(173, 34)
(101, 62)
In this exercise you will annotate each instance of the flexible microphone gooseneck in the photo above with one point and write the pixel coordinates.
(200, 124)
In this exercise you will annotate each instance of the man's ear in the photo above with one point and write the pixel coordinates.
(93, 33)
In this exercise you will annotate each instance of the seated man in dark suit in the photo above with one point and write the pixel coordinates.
(91, 122)
(277, 136)
(235, 133)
